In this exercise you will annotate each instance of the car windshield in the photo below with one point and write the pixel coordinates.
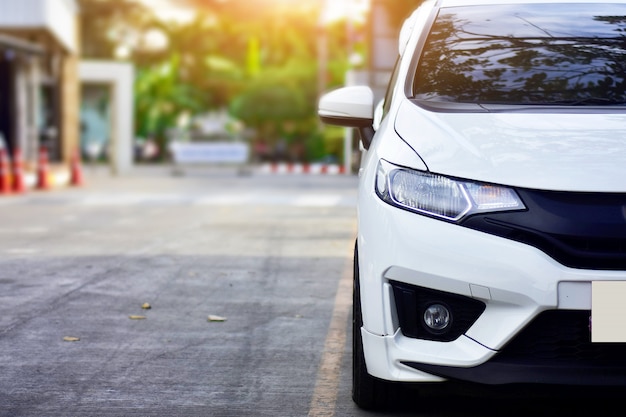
(540, 54)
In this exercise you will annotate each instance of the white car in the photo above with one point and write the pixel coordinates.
(491, 241)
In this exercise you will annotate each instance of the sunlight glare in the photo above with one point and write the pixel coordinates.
(169, 11)
(334, 10)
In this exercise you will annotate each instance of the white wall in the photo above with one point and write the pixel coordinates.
(120, 77)
(57, 16)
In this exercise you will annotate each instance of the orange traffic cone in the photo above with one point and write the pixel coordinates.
(76, 171)
(42, 169)
(17, 169)
(5, 175)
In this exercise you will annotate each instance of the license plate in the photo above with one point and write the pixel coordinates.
(608, 312)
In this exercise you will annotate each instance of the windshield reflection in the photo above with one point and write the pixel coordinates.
(536, 54)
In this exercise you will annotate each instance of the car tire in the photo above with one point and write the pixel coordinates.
(368, 393)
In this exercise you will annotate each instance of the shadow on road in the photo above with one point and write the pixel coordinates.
(510, 401)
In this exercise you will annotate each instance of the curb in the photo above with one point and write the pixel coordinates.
(298, 168)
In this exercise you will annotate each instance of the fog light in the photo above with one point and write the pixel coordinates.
(437, 317)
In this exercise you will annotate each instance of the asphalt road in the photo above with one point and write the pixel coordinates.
(248, 279)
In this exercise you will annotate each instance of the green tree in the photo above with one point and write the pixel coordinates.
(106, 24)
(399, 10)
(280, 97)
(161, 97)
(261, 63)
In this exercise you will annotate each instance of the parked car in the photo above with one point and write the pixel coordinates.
(491, 243)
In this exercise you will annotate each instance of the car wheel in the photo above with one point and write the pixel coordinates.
(367, 392)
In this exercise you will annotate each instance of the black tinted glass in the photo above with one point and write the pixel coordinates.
(526, 54)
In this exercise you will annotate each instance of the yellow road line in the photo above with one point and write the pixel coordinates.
(329, 372)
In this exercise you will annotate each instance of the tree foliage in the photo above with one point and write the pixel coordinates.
(161, 97)
(399, 10)
(105, 24)
(261, 63)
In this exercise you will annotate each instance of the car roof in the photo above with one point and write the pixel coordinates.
(453, 3)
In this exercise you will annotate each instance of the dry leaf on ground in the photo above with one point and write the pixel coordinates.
(71, 339)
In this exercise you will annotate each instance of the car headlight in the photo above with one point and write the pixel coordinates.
(441, 196)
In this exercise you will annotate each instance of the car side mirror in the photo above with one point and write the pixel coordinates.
(350, 107)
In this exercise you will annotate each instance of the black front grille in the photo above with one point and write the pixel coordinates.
(579, 230)
(562, 337)
(411, 301)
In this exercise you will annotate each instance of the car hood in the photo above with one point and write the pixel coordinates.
(560, 150)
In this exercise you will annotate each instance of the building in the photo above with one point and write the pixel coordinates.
(39, 80)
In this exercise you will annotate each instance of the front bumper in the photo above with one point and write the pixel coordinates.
(553, 349)
(516, 282)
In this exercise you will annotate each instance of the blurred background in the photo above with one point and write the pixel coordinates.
(118, 82)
